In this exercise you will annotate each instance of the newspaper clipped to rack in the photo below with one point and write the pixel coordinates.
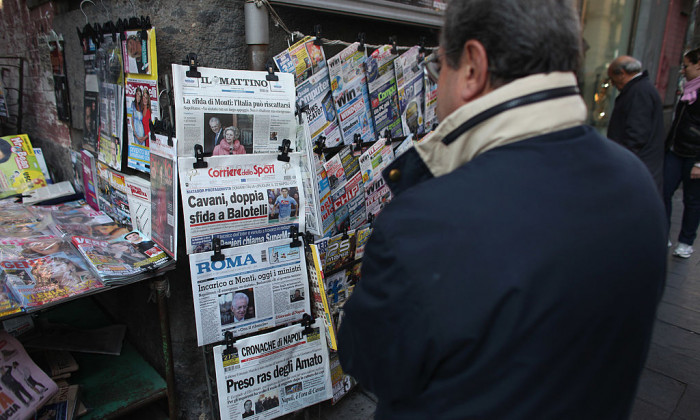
(261, 111)
(253, 288)
(241, 200)
(270, 375)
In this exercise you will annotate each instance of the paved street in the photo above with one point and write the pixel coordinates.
(670, 384)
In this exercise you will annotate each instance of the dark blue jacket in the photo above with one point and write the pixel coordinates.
(522, 285)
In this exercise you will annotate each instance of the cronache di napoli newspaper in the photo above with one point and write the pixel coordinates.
(262, 110)
(270, 375)
(251, 289)
(242, 199)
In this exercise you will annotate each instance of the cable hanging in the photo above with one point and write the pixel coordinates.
(299, 35)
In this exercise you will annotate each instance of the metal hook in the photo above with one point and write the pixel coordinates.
(162, 92)
(81, 9)
(103, 6)
(133, 7)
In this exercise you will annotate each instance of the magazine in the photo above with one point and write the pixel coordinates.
(409, 82)
(77, 163)
(253, 288)
(430, 102)
(381, 81)
(78, 218)
(303, 59)
(349, 88)
(91, 97)
(110, 75)
(112, 195)
(19, 169)
(25, 387)
(138, 51)
(36, 282)
(321, 117)
(164, 193)
(138, 192)
(123, 258)
(90, 179)
(141, 110)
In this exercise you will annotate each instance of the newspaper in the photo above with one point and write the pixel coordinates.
(141, 110)
(261, 112)
(164, 179)
(138, 192)
(240, 199)
(255, 287)
(409, 82)
(25, 387)
(430, 102)
(349, 88)
(381, 81)
(321, 117)
(303, 59)
(270, 375)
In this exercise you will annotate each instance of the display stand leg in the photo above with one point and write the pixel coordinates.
(162, 288)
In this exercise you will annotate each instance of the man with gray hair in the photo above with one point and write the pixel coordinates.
(637, 119)
(537, 300)
(239, 306)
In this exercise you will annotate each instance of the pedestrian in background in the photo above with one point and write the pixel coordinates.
(637, 122)
(682, 163)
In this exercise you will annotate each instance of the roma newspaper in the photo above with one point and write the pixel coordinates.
(242, 200)
(273, 374)
(261, 110)
(253, 288)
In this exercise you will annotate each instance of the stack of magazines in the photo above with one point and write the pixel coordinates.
(54, 253)
(124, 259)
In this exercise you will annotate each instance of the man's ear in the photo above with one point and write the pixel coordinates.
(474, 71)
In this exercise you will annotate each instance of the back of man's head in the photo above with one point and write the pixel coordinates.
(521, 37)
(625, 64)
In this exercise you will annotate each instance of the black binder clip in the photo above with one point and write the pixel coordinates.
(370, 219)
(216, 247)
(120, 28)
(270, 67)
(394, 49)
(357, 141)
(145, 26)
(191, 60)
(229, 342)
(345, 234)
(317, 32)
(361, 40)
(308, 239)
(285, 148)
(320, 145)
(199, 156)
(294, 234)
(306, 321)
(301, 107)
(162, 127)
(99, 32)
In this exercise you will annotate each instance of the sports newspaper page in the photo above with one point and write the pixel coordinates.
(261, 110)
(270, 375)
(253, 288)
(242, 200)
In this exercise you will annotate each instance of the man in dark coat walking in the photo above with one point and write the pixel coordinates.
(637, 120)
